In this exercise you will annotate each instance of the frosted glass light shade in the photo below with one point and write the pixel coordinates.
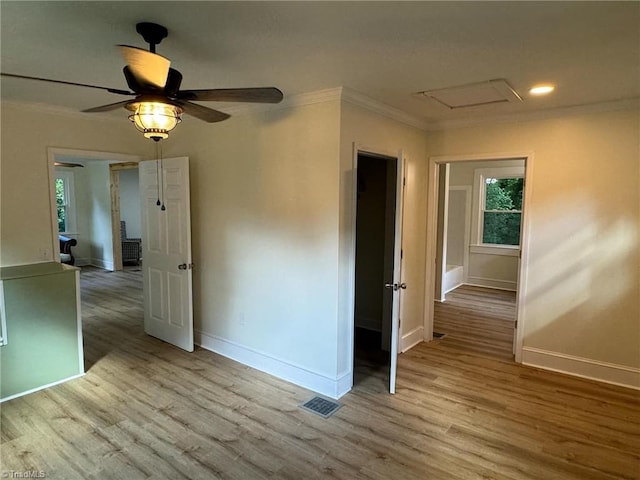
(155, 119)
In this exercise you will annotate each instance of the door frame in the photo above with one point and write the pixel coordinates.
(432, 232)
(71, 153)
(381, 152)
(114, 176)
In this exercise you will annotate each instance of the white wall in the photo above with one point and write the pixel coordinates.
(101, 237)
(265, 216)
(457, 227)
(25, 223)
(583, 278)
(130, 202)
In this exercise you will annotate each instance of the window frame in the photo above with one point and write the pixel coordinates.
(67, 178)
(480, 177)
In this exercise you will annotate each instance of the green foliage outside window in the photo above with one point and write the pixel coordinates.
(502, 215)
(61, 204)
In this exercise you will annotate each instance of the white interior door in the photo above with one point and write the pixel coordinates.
(166, 251)
(398, 286)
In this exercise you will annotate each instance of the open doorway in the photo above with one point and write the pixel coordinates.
(378, 210)
(126, 220)
(478, 242)
(87, 200)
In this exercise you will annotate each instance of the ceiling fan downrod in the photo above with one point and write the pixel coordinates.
(152, 34)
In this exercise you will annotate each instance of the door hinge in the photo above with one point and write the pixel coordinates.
(404, 181)
(401, 254)
(515, 326)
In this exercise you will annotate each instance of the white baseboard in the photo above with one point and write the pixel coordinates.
(317, 382)
(492, 283)
(582, 367)
(33, 390)
(100, 263)
(344, 384)
(451, 289)
(411, 339)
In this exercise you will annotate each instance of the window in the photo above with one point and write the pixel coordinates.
(502, 210)
(65, 202)
(499, 206)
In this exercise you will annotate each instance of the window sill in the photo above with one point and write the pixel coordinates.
(505, 250)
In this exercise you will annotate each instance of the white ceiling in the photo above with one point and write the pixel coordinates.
(384, 50)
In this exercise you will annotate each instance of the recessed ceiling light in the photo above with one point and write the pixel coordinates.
(541, 89)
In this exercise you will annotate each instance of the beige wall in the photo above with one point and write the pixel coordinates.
(583, 272)
(264, 201)
(383, 135)
(25, 225)
(101, 237)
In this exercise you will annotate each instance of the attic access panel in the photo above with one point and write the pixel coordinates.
(473, 95)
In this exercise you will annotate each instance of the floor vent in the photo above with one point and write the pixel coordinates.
(321, 406)
(437, 335)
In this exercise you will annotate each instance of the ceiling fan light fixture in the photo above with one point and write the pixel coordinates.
(155, 119)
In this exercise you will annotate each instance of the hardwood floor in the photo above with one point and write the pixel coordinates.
(477, 320)
(146, 410)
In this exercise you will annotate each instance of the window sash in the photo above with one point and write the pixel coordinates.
(482, 220)
(67, 225)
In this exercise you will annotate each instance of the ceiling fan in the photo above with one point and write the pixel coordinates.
(159, 102)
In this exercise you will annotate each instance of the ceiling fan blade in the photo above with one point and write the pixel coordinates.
(106, 108)
(68, 164)
(149, 68)
(203, 113)
(25, 77)
(255, 95)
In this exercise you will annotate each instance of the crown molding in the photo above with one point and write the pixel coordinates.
(357, 98)
(608, 106)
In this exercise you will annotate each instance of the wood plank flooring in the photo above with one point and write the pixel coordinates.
(146, 410)
(478, 320)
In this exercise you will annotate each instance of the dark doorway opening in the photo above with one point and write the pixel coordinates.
(375, 239)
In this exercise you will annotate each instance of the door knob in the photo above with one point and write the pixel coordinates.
(403, 286)
(182, 266)
(396, 286)
(390, 285)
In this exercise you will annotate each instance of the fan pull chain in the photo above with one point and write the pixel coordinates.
(163, 208)
(157, 173)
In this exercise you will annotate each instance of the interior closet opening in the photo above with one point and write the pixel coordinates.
(375, 240)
